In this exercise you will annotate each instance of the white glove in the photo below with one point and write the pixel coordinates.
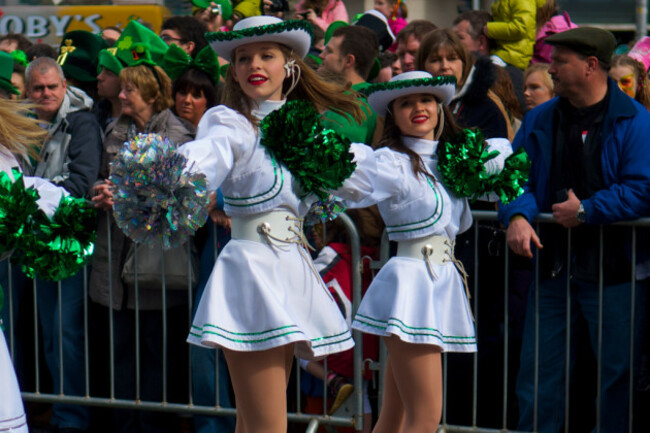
(50, 194)
(503, 146)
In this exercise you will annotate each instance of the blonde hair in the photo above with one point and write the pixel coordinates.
(19, 134)
(310, 87)
(157, 87)
(542, 68)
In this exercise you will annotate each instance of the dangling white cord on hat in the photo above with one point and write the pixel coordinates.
(441, 122)
(293, 71)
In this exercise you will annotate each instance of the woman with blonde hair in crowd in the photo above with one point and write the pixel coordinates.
(146, 100)
(538, 85)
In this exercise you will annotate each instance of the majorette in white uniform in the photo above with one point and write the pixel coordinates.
(419, 295)
(264, 292)
(12, 414)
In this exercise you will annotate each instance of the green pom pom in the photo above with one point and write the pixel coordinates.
(17, 205)
(509, 183)
(461, 163)
(318, 158)
(58, 248)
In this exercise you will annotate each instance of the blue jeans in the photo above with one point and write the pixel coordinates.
(615, 355)
(203, 360)
(71, 352)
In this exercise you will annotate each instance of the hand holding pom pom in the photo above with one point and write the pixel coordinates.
(320, 159)
(461, 162)
(156, 195)
(53, 235)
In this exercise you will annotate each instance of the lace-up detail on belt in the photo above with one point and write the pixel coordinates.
(434, 250)
(277, 229)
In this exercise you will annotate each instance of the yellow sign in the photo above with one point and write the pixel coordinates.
(48, 24)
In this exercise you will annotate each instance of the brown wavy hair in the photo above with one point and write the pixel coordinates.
(444, 38)
(310, 87)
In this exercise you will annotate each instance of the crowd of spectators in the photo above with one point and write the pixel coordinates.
(92, 94)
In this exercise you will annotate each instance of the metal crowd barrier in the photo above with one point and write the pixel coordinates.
(351, 414)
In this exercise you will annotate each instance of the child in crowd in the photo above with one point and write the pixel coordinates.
(264, 302)
(538, 85)
(513, 30)
(629, 71)
(418, 300)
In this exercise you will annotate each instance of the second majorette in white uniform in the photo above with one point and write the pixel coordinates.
(418, 300)
(264, 301)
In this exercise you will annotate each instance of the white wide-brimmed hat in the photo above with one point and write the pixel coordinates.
(380, 95)
(296, 34)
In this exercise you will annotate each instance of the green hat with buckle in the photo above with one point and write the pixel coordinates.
(78, 55)
(6, 69)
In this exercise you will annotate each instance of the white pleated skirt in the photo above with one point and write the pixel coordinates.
(12, 414)
(405, 300)
(261, 296)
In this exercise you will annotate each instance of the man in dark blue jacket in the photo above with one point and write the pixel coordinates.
(590, 157)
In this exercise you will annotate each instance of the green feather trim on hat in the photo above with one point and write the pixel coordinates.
(260, 30)
(418, 82)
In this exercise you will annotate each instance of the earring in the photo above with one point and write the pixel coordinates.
(289, 66)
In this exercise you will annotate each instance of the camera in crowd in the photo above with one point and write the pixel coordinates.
(279, 6)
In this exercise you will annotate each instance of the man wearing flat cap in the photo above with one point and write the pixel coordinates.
(590, 168)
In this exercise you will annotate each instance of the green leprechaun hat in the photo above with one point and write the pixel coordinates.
(6, 69)
(122, 53)
(78, 55)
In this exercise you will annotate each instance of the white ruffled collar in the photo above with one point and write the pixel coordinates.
(265, 107)
(421, 146)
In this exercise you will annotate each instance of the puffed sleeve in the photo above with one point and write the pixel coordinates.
(361, 183)
(388, 172)
(223, 136)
